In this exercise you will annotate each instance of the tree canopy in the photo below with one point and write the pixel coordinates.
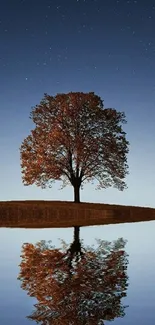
(90, 294)
(76, 140)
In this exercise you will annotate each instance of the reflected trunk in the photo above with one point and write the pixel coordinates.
(75, 248)
(76, 234)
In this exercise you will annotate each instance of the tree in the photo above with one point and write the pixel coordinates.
(76, 140)
(90, 294)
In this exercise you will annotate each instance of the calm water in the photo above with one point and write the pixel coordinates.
(16, 304)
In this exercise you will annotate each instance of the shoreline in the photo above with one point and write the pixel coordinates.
(60, 214)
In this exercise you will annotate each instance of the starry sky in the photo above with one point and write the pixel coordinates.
(58, 46)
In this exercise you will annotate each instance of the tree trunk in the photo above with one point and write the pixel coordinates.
(76, 193)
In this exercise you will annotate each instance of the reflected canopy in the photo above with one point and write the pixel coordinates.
(73, 284)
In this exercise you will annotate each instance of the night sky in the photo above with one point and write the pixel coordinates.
(59, 46)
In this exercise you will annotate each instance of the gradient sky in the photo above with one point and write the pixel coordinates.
(58, 46)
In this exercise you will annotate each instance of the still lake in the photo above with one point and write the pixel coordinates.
(16, 304)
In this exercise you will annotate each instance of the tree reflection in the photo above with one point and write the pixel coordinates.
(74, 285)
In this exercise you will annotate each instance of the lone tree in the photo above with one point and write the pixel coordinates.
(76, 140)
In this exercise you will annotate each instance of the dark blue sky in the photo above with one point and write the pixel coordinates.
(58, 46)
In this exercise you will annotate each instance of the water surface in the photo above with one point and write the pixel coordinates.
(16, 304)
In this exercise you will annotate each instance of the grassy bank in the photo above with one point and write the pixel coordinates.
(44, 214)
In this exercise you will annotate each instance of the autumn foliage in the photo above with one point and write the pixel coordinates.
(91, 294)
(76, 140)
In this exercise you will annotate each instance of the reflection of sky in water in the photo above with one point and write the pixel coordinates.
(15, 304)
